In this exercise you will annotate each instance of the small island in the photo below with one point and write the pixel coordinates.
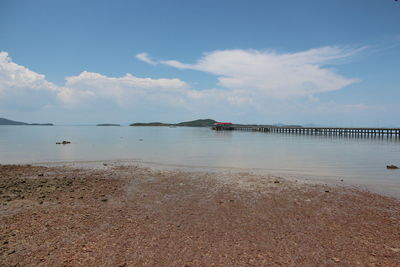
(4, 121)
(151, 124)
(108, 124)
(195, 123)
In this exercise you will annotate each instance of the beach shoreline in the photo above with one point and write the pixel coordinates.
(390, 189)
(114, 214)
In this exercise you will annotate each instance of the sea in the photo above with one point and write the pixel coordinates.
(354, 161)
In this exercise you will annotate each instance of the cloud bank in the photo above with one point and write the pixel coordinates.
(18, 78)
(249, 81)
(273, 74)
(88, 87)
(85, 89)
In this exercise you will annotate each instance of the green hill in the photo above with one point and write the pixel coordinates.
(195, 123)
(151, 124)
(198, 123)
(108, 124)
(4, 121)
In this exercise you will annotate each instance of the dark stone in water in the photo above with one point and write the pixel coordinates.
(63, 143)
(392, 167)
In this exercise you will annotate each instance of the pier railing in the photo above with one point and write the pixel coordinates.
(313, 130)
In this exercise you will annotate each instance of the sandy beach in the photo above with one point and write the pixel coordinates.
(135, 216)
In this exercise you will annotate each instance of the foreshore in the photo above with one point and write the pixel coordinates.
(121, 215)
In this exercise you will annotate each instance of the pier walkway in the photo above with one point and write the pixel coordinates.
(312, 130)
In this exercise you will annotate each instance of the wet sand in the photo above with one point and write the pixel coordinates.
(136, 216)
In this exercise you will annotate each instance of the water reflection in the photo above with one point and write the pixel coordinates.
(390, 138)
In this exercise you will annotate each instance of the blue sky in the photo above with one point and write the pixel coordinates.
(324, 62)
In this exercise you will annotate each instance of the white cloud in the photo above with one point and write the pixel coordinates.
(19, 86)
(256, 85)
(16, 77)
(251, 78)
(124, 91)
(278, 75)
(145, 57)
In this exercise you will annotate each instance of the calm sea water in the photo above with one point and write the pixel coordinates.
(360, 160)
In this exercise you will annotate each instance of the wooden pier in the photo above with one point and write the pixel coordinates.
(313, 130)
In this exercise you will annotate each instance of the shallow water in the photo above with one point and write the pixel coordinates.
(360, 160)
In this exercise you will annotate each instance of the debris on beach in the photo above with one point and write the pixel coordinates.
(392, 167)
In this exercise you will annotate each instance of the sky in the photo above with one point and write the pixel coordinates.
(296, 62)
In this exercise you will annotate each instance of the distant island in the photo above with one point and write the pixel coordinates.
(195, 123)
(202, 123)
(4, 121)
(198, 123)
(108, 124)
(151, 124)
